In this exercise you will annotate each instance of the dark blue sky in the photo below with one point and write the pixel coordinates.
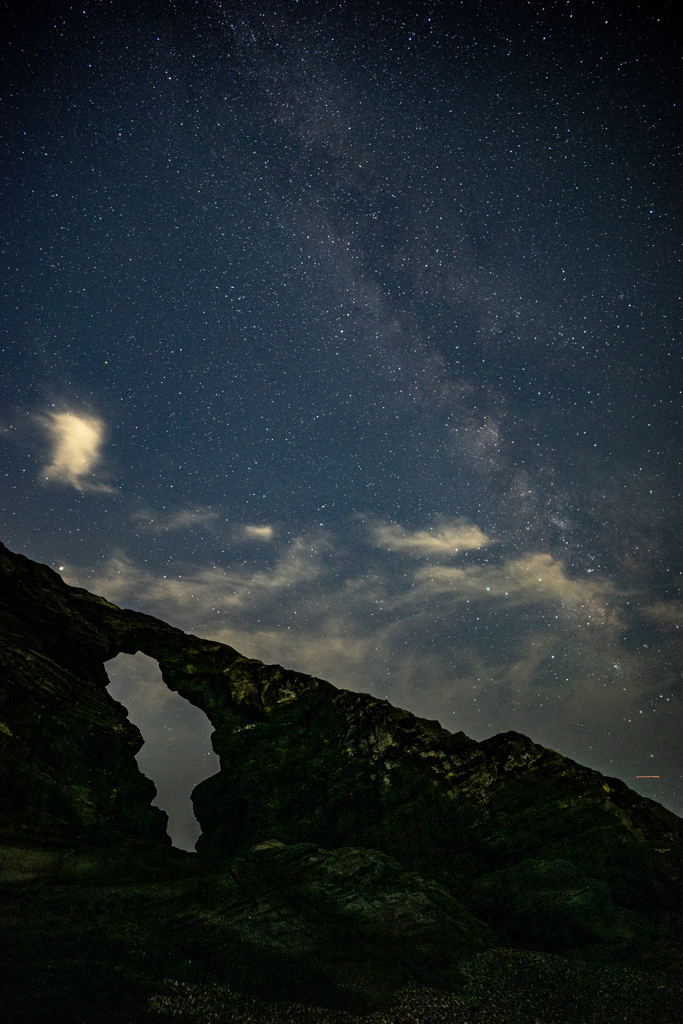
(350, 335)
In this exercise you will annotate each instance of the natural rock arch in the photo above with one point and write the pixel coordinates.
(301, 761)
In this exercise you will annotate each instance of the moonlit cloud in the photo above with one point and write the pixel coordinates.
(185, 519)
(450, 540)
(190, 598)
(532, 579)
(76, 450)
(259, 532)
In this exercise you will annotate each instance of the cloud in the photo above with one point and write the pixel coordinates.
(450, 540)
(532, 579)
(153, 522)
(190, 598)
(259, 532)
(76, 447)
(666, 614)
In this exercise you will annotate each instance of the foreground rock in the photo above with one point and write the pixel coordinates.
(290, 934)
(457, 845)
(341, 928)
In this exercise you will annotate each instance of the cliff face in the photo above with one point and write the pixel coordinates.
(549, 854)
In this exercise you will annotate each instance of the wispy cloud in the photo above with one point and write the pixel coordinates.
(450, 540)
(667, 614)
(185, 519)
(535, 578)
(151, 520)
(192, 597)
(76, 450)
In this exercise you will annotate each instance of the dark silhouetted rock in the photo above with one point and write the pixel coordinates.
(347, 845)
(551, 904)
(340, 928)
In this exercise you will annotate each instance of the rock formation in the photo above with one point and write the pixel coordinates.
(347, 845)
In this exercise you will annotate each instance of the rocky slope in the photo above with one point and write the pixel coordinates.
(347, 848)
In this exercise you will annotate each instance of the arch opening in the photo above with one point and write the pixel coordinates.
(177, 752)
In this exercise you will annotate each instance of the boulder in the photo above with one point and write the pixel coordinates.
(551, 905)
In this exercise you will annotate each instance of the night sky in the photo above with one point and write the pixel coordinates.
(350, 335)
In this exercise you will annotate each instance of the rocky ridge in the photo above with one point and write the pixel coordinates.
(348, 847)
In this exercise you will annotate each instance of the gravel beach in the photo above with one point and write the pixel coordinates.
(501, 987)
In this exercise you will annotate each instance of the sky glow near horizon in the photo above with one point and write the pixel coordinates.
(351, 339)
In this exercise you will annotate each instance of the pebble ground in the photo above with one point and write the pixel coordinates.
(501, 987)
